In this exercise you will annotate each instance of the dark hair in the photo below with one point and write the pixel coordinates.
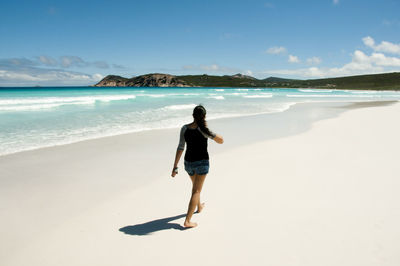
(199, 115)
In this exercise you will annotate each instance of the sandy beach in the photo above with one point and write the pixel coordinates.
(317, 185)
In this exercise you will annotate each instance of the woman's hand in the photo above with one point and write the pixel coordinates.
(218, 139)
(177, 157)
(174, 171)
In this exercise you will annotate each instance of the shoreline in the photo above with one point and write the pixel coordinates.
(223, 120)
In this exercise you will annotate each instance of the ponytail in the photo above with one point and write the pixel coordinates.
(199, 115)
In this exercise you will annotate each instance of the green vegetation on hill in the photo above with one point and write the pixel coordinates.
(387, 81)
(219, 81)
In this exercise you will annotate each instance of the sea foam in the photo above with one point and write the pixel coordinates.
(330, 96)
(219, 97)
(258, 96)
(314, 90)
(180, 106)
(35, 103)
(37, 100)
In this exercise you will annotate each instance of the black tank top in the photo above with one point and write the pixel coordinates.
(197, 142)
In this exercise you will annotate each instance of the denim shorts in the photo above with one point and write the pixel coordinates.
(197, 167)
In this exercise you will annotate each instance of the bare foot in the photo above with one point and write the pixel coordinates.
(200, 207)
(189, 224)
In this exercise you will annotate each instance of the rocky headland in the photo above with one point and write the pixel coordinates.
(149, 80)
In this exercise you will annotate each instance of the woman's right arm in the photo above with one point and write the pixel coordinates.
(179, 151)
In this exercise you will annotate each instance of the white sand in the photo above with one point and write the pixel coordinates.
(327, 196)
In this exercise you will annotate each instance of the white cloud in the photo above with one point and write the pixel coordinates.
(361, 63)
(368, 41)
(293, 59)
(14, 76)
(335, 2)
(71, 61)
(276, 50)
(97, 76)
(385, 47)
(100, 64)
(38, 71)
(17, 62)
(62, 62)
(382, 60)
(213, 67)
(314, 60)
(47, 60)
(248, 73)
(34, 76)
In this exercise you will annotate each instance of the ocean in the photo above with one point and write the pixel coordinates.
(32, 118)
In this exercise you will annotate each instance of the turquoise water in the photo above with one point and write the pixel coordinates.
(32, 118)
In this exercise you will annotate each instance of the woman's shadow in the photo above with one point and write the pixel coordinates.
(153, 226)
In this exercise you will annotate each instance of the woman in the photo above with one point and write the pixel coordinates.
(196, 135)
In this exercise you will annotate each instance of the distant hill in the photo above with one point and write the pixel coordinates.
(387, 81)
(148, 80)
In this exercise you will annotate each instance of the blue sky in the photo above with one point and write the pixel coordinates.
(79, 42)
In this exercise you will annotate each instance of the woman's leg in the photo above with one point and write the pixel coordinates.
(195, 199)
(200, 206)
